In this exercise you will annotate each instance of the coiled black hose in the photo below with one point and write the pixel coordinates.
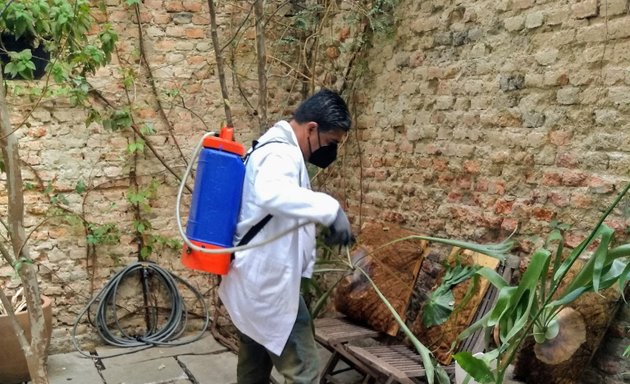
(163, 336)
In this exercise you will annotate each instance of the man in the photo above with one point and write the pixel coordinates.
(262, 290)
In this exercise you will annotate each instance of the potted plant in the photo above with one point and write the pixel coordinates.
(13, 366)
(62, 27)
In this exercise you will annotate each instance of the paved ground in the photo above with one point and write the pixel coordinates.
(202, 362)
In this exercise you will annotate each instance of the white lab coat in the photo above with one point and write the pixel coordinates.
(261, 290)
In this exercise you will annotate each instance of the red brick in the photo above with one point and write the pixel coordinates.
(165, 45)
(481, 185)
(154, 4)
(598, 184)
(454, 197)
(145, 17)
(472, 166)
(496, 187)
(196, 59)
(406, 147)
(567, 160)
(161, 18)
(572, 238)
(560, 138)
(509, 224)
(581, 200)
(552, 179)
(491, 221)
(99, 17)
(445, 179)
(543, 214)
(195, 33)
(146, 113)
(36, 132)
(559, 199)
(119, 16)
(573, 178)
(192, 6)
(174, 6)
(440, 164)
(503, 206)
(200, 20)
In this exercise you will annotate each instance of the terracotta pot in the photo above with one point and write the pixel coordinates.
(13, 367)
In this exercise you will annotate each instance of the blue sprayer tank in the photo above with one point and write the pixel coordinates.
(216, 202)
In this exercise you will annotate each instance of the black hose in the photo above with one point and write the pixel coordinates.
(163, 336)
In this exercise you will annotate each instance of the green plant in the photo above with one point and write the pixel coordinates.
(434, 372)
(534, 307)
(62, 27)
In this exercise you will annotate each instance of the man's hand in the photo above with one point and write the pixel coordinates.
(340, 230)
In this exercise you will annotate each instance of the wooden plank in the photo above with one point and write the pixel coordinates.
(380, 364)
(330, 331)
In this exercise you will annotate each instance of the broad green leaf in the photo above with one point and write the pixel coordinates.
(438, 307)
(477, 368)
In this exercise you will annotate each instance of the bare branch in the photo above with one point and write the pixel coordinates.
(262, 59)
(219, 59)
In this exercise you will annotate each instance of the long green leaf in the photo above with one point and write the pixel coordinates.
(623, 279)
(477, 368)
(559, 275)
(620, 251)
(525, 295)
(422, 350)
(569, 297)
(498, 250)
(492, 276)
(600, 256)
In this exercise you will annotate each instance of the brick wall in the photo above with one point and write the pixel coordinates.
(475, 118)
(61, 151)
(471, 119)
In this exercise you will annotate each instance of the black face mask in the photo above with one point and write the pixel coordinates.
(323, 156)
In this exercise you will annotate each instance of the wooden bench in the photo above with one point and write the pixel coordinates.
(378, 359)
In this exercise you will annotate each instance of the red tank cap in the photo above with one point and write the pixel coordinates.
(225, 142)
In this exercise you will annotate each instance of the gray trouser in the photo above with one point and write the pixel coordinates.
(298, 362)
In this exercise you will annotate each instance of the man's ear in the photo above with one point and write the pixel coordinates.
(311, 127)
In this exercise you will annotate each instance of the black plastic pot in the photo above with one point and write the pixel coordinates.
(8, 43)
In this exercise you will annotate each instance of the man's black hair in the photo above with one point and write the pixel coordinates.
(327, 109)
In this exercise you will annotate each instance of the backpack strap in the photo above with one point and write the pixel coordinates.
(253, 231)
(255, 146)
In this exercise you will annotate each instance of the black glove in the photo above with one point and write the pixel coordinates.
(340, 230)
